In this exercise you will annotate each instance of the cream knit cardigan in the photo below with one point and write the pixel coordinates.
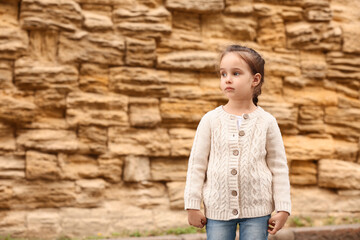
(238, 173)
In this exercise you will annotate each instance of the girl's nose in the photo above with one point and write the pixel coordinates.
(228, 79)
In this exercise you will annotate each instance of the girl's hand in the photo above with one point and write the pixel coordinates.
(196, 218)
(277, 221)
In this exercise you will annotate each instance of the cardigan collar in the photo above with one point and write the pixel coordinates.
(253, 114)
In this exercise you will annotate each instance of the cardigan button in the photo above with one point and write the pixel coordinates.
(234, 193)
(236, 152)
(235, 212)
(246, 116)
(232, 117)
(233, 172)
(241, 133)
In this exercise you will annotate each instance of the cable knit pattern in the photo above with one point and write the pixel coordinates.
(238, 171)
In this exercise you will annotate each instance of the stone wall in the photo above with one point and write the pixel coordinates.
(100, 100)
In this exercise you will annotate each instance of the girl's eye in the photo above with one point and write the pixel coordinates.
(236, 73)
(223, 74)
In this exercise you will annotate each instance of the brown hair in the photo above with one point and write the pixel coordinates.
(253, 59)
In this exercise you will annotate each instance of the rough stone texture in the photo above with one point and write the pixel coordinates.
(339, 174)
(100, 100)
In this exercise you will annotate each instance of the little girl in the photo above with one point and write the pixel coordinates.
(237, 164)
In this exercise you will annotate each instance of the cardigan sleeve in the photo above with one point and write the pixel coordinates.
(277, 163)
(197, 164)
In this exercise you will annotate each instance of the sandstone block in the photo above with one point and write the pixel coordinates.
(30, 74)
(98, 2)
(307, 148)
(140, 52)
(96, 22)
(185, 92)
(77, 166)
(202, 6)
(48, 140)
(12, 166)
(145, 142)
(43, 222)
(9, 13)
(285, 114)
(41, 166)
(144, 112)
(92, 139)
(98, 48)
(184, 35)
(163, 169)
(14, 42)
(282, 63)
(181, 141)
(342, 66)
(316, 36)
(141, 20)
(210, 88)
(84, 222)
(136, 169)
(349, 117)
(348, 102)
(97, 109)
(189, 60)
(342, 131)
(244, 7)
(43, 194)
(322, 202)
(351, 36)
(176, 194)
(52, 101)
(274, 85)
(89, 192)
(7, 193)
(183, 111)
(94, 78)
(335, 173)
(56, 14)
(7, 138)
(111, 167)
(138, 81)
(291, 13)
(343, 73)
(17, 110)
(130, 216)
(6, 74)
(13, 223)
(190, 78)
(48, 122)
(170, 219)
(311, 96)
(271, 31)
(311, 119)
(144, 195)
(313, 65)
(43, 46)
(303, 173)
(317, 11)
(218, 26)
(346, 151)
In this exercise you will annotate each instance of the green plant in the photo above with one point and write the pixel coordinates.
(330, 220)
(296, 221)
(135, 234)
(309, 221)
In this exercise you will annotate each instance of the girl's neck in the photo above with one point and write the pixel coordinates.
(238, 108)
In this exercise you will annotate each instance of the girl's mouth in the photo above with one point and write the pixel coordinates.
(229, 88)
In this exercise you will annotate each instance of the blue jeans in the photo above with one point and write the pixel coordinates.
(249, 228)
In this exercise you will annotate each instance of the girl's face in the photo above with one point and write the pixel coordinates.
(237, 81)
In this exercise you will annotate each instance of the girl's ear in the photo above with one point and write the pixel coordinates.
(257, 79)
